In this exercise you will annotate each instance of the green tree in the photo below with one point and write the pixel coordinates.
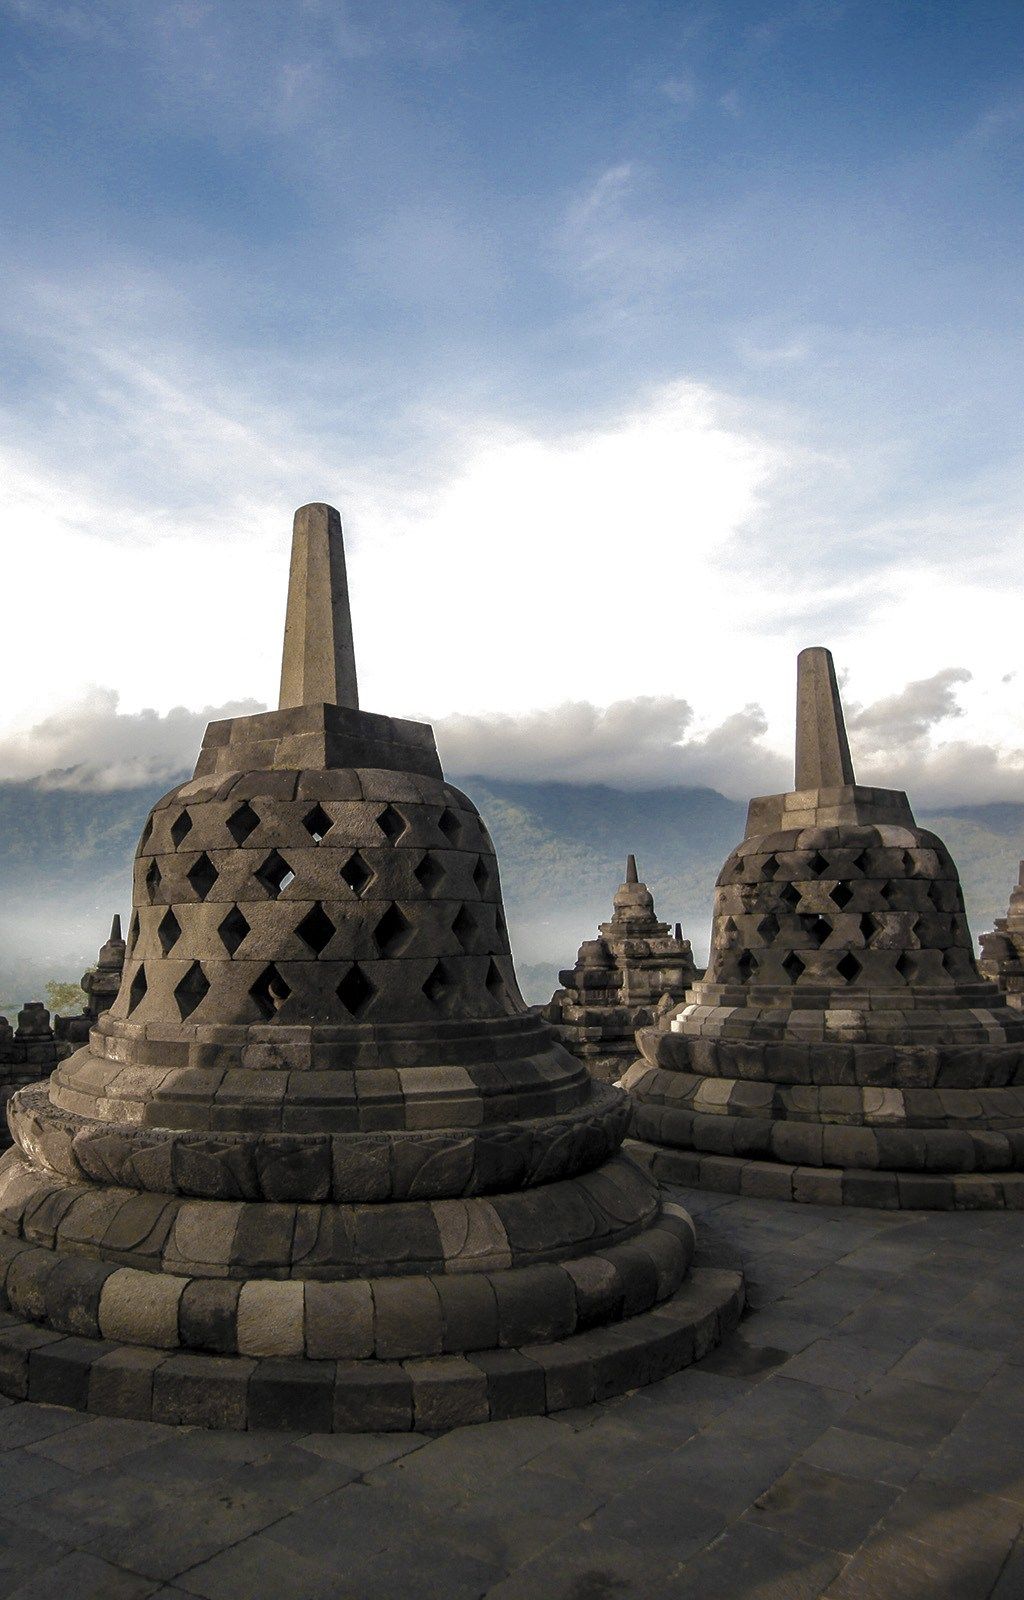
(63, 997)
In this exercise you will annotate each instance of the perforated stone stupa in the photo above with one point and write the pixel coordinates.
(843, 1046)
(620, 980)
(318, 1167)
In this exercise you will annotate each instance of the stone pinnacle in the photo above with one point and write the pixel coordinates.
(822, 751)
(115, 929)
(631, 874)
(318, 664)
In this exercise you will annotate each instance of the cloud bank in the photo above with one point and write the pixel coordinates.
(93, 745)
(643, 742)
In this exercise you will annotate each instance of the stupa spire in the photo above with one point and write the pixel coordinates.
(318, 665)
(631, 873)
(115, 928)
(822, 750)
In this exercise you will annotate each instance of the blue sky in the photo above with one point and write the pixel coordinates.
(640, 345)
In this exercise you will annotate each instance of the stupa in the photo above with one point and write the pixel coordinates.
(318, 1166)
(842, 1046)
(100, 986)
(620, 980)
(1002, 950)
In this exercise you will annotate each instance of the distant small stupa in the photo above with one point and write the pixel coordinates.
(842, 1046)
(1002, 950)
(634, 968)
(100, 985)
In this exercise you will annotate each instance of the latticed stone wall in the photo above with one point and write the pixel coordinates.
(847, 910)
(249, 906)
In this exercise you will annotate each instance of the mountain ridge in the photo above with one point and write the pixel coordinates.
(65, 865)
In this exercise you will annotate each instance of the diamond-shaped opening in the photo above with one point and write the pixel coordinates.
(233, 930)
(438, 985)
(869, 926)
(768, 927)
(428, 873)
(770, 867)
(450, 825)
(154, 878)
(242, 822)
(738, 867)
(275, 874)
(956, 962)
(860, 862)
(747, 966)
(192, 989)
(169, 931)
(391, 935)
(181, 827)
(481, 877)
(908, 863)
(137, 990)
(841, 894)
(789, 894)
(817, 929)
(495, 982)
(203, 876)
(356, 873)
(885, 892)
(270, 991)
(793, 967)
(464, 927)
(317, 823)
(146, 833)
(133, 931)
(817, 864)
(355, 991)
(935, 895)
(316, 929)
(848, 967)
(391, 824)
(906, 966)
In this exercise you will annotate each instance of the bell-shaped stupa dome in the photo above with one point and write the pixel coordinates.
(843, 1045)
(318, 1166)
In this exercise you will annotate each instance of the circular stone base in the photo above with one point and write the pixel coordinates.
(832, 1186)
(428, 1393)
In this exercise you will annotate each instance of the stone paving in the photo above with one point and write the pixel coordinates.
(861, 1437)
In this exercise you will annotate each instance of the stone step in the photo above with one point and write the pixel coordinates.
(832, 1186)
(425, 1394)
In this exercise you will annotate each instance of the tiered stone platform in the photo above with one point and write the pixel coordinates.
(318, 1166)
(843, 1047)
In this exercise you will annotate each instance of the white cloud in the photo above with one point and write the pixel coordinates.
(92, 745)
(643, 743)
(898, 742)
